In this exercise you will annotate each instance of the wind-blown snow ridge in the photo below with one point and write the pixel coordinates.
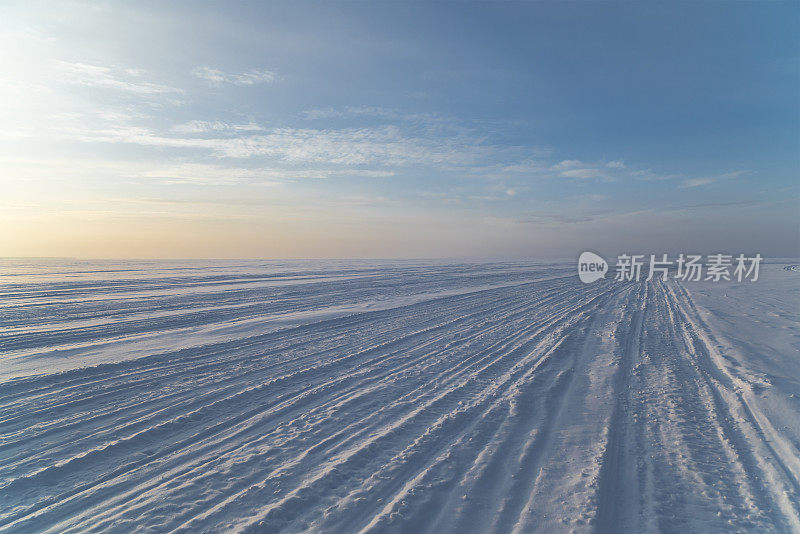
(394, 397)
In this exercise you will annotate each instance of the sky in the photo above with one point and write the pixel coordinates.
(398, 129)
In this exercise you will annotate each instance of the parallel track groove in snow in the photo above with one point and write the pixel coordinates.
(393, 398)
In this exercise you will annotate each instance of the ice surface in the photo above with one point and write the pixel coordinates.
(397, 396)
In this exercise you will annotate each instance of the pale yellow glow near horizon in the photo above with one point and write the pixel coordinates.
(110, 236)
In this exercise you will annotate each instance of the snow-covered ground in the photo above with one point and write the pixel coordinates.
(394, 397)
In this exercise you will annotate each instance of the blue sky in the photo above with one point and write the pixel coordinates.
(188, 129)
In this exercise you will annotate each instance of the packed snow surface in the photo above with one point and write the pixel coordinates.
(394, 397)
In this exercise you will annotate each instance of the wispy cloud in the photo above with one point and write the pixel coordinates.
(374, 111)
(573, 168)
(521, 167)
(697, 182)
(707, 180)
(382, 146)
(431, 123)
(555, 218)
(197, 126)
(617, 170)
(126, 80)
(582, 173)
(250, 77)
(708, 205)
(204, 174)
(326, 113)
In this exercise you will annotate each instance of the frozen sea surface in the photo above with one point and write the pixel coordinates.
(394, 397)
